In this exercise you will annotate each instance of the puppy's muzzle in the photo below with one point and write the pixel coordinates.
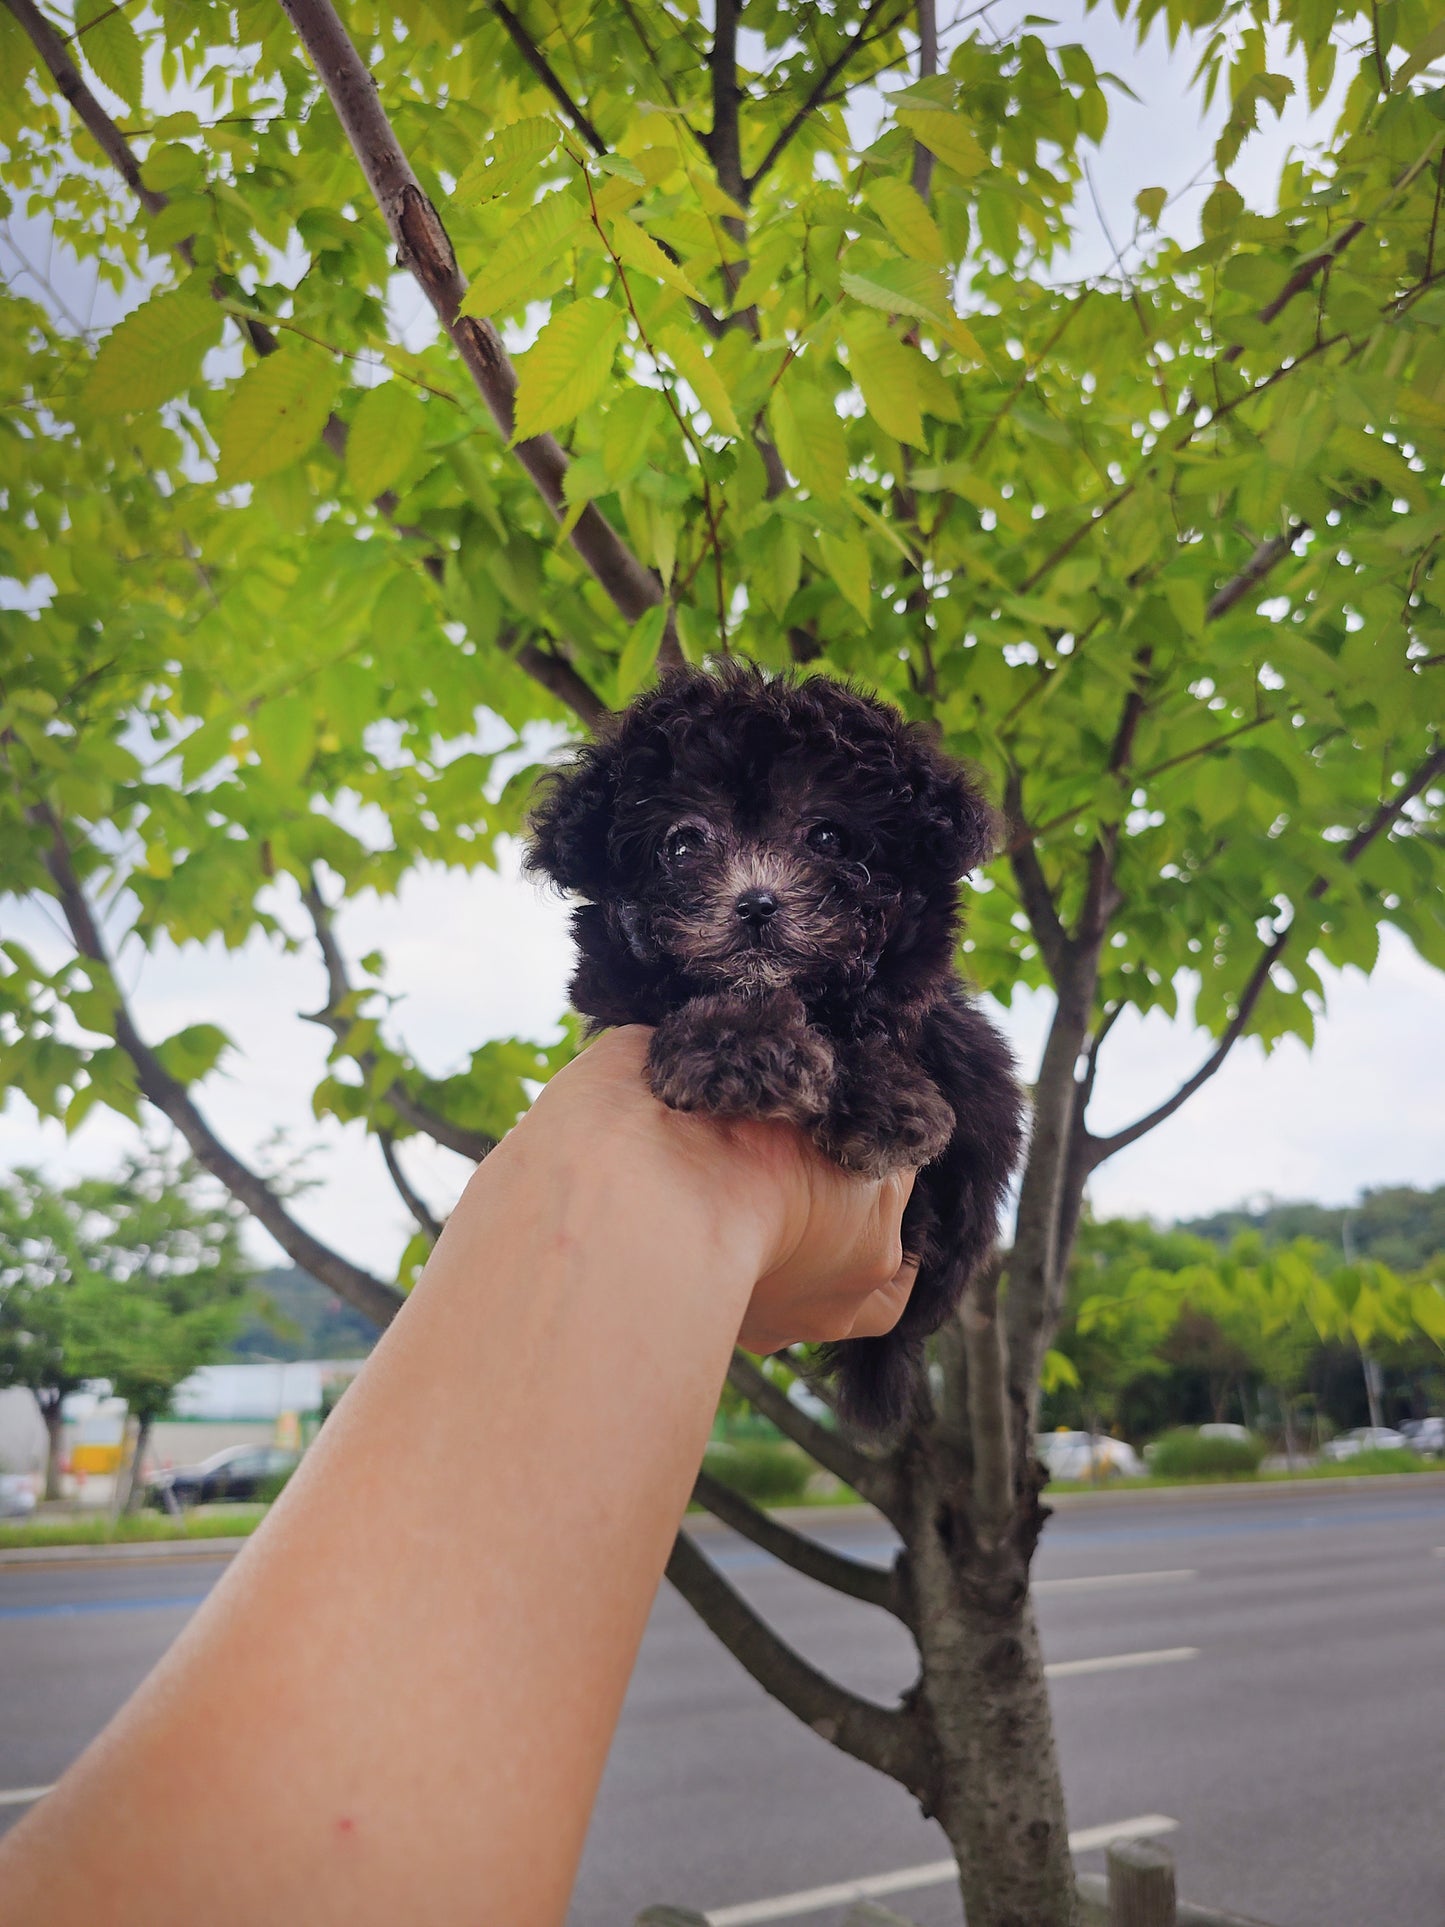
(756, 910)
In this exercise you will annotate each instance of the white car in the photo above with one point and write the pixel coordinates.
(17, 1495)
(1077, 1455)
(1365, 1438)
(1425, 1435)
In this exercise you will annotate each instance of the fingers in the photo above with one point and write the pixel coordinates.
(882, 1309)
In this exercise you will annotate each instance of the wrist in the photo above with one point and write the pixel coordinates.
(617, 1155)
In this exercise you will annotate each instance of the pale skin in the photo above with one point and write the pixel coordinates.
(397, 1703)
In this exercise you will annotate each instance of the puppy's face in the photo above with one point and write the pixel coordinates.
(759, 834)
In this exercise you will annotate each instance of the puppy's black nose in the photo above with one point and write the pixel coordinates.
(756, 906)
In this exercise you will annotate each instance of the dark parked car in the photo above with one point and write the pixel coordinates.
(240, 1472)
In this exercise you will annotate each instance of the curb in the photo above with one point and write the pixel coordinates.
(1268, 1489)
(137, 1552)
(704, 1525)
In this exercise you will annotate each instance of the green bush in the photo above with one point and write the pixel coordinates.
(767, 1471)
(1183, 1454)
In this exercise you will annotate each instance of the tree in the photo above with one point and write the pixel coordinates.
(1159, 550)
(1255, 1310)
(165, 1285)
(40, 1269)
(136, 1279)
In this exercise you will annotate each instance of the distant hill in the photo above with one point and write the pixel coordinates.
(302, 1319)
(1396, 1225)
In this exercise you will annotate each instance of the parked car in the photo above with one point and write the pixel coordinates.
(1425, 1435)
(1222, 1431)
(238, 1472)
(17, 1495)
(1365, 1438)
(1077, 1455)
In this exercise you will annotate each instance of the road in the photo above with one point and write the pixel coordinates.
(1277, 1690)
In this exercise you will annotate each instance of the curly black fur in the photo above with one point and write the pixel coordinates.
(768, 872)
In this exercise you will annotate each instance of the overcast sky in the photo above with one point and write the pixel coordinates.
(487, 956)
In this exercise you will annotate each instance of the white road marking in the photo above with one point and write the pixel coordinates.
(1119, 1662)
(1098, 1581)
(876, 1886)
(21, 1796)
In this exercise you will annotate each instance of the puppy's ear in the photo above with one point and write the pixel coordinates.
(570, 821)
(960, 828)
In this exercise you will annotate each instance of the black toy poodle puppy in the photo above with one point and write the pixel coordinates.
(769, 875)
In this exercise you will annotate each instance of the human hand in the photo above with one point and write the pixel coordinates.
(827, 1243)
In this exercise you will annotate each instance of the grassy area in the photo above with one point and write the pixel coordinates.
(1363, 1466)
(206, 1522)
(234, 1522)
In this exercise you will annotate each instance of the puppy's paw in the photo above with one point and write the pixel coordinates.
(894, 1124)
(735, 1058)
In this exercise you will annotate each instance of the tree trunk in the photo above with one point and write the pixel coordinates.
(135, 1485)
(51, 1410)
(996, 1788)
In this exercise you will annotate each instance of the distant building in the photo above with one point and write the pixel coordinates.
(263, 1391)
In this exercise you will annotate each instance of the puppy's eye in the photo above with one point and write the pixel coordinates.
(688, 839)
(828, 839)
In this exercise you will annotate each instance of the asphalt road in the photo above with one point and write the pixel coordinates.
(1279, 1694)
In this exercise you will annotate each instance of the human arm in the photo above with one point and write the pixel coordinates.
(397, 1704)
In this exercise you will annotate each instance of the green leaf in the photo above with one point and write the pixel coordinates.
(636, 249)
(846, 561)
(567, 367)
(111, 47)
(508, 158)
(386, 432)
(906, 217)
(885, 370)
(945, 136)
(1150, 202)
(1430, 49)
(193, 1052)
(154, 353)
(276, 412)
(685, 352)
(810, 438)
(520, 267)
(639, 653)
(908, 287)
(284, 733)
(620, 165)
(1221, 210)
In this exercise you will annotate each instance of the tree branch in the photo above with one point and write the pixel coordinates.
(560, 679)
(425, 1221)
(425, 248)
(892, 1740)
(874, 1585)
(817, 93)
(69, 80)
(370, 1296)
(441, 1130)
(1269, 552)
(553, 672)
(870, 1478)
(1033, 887)
(927, 11)
(542, 68)
(1100, 1148)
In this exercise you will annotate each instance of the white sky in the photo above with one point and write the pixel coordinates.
(487, 956)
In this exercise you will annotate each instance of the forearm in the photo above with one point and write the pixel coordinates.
(398, 1703)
